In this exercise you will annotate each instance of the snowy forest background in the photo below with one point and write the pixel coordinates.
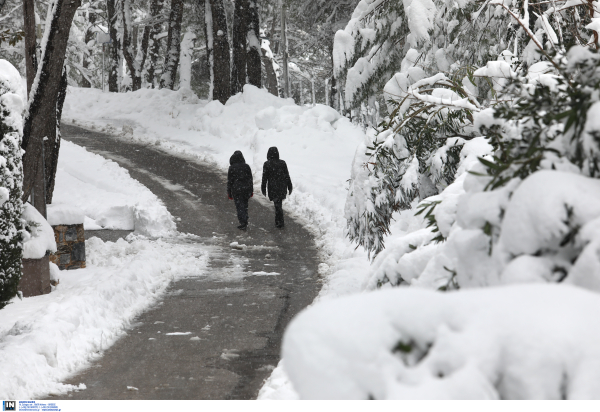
(478, 169)
(142, 41)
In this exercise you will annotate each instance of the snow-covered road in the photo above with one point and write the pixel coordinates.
(218, 335)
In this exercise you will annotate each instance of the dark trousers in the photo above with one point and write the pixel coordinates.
(278, 212)
(241, 204)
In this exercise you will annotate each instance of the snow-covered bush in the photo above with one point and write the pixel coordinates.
(517, 342)
(414, 154)
(523, 209)
(11, 180)
(438, 91)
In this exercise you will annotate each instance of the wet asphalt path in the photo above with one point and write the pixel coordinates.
(239, 317)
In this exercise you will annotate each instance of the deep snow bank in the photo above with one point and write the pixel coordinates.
(106, 193)
(512, 342)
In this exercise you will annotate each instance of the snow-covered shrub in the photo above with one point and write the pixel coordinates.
(512, 195)
(516, 342)
(550, 120)
(526, 211)
(433, 98)
(414, 154)
(11, 180)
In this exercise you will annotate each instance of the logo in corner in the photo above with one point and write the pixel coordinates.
(9, 405)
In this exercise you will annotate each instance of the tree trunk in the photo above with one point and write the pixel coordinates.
(208, 35)
(334, 100)
(185, 65)
(40, 121)
(167, 79)
(89, 36)
(113, 55)
(155, 10)
(221, 64)
(149, 31)
(284, 52)
(254, 49)
(30, 42)
(271, 82)
(51, 149)
(128, 52)
(240, 32)
(274, 44)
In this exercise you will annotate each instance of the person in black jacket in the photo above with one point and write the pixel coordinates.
(276, 179)
(239, 186)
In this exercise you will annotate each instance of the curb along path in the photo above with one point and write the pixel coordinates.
(237, 310)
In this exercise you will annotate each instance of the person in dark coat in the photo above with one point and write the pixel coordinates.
(276, 179)
(239, 186)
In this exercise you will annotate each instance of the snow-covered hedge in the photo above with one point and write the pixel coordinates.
(11, 181)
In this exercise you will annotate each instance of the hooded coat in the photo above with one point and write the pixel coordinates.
(239, 177)
(275, 178)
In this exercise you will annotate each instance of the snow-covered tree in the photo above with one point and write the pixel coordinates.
(217, 45)
(151, 32)
(40, 121)
(254, 53)
(11, 181)
(173, 45)
(238, 45)
(432, 98)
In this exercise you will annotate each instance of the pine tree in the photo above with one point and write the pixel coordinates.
(11, 180)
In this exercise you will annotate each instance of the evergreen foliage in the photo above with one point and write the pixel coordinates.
(11, 179)
(550, 120)
(414, 154)
(433, 98)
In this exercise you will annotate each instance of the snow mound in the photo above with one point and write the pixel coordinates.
(513, 342)
(106, 194)
(41, 235)
(64, 214)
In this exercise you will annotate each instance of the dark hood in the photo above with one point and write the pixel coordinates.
(273, 153)
(237, 157)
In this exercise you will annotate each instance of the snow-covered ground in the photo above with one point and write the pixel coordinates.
(44, 339)
(316, 142)
(405, 342)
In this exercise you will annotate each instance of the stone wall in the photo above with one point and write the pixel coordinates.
(70, 243)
